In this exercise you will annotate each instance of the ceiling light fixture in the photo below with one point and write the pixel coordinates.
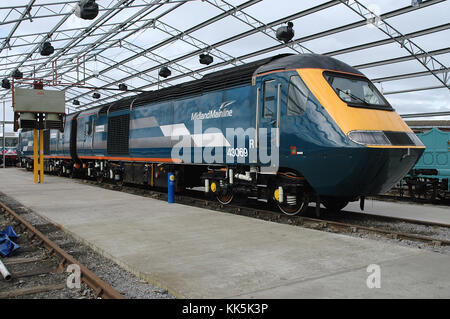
(206, 59)
(286, 33)
(165, 72)
(86, 9)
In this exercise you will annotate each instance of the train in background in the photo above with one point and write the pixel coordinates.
(11, 141)
(430, 177)
(335, 137)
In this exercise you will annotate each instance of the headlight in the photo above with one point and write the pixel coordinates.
(385, 138)
(415, 139)
(369, 137)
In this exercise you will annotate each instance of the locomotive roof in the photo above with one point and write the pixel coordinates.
(230, 77)
(307, 61)
(9, 134)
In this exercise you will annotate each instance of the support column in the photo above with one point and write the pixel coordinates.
(41, 156)
(38, 155)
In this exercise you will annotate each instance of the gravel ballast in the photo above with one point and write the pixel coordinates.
(120, 279)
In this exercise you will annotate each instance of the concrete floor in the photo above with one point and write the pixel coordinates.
(426, 212)
(198, 253)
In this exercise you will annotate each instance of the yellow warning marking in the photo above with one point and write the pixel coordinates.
(276, 194)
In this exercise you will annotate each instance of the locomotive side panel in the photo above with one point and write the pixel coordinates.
(86, 133)
(100, 134)
(207, 125)
(146, 137)
(66, 137)
(194, 125)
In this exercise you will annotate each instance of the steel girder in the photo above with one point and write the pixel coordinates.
(112, 36)
(433, 65)
(277, 47)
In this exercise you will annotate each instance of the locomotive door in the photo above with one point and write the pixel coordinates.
(268, 125)
(89, 134)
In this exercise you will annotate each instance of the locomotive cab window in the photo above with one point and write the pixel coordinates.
(269, 99)
(297, 96)
(9, 142)
(357, 91)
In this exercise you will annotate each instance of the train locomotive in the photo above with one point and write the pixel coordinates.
(430, 177)
(285, 130)
(11, 141)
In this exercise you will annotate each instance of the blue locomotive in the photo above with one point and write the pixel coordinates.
(285, 130)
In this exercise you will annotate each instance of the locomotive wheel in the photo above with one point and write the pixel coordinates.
(334, 205)
(299, 203)
(222, 197)
(225, 199)
(299, 208)
(99, 179)
(119, 183)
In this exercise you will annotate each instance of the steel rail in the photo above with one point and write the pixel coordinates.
(101, 288)
(413, 200)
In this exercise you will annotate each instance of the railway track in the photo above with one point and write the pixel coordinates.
(38, 268)
(345, 222)
(415, 200)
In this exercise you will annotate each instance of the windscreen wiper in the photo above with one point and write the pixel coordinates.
(353, 96)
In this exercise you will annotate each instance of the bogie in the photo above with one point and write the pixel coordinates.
(288, 191)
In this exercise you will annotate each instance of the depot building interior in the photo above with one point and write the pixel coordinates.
(211, 149)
